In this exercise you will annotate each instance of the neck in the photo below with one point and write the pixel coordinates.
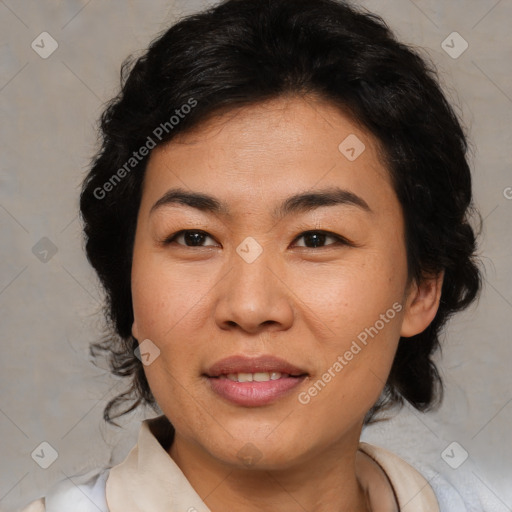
(326, 481)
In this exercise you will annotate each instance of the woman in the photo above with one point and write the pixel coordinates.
(279, 215)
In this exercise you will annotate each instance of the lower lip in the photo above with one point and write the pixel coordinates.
(254, 394)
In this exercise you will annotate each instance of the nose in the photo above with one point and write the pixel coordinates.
(254, 296)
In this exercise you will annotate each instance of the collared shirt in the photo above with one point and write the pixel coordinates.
(149, 480)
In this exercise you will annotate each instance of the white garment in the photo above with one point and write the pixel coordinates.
(83, 494)
(148, 480)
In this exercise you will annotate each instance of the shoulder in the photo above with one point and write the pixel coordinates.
(455, 490)
(410, 486)
(85, 493)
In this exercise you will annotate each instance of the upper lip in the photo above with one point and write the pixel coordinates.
(244, 364)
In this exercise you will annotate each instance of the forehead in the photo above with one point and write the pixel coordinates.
(253, 154)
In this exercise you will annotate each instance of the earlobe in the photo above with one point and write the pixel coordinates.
(422, 304)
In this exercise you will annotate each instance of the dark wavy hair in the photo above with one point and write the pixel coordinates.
(239, 53)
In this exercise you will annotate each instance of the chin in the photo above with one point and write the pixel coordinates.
(258, 450)
(262, 458)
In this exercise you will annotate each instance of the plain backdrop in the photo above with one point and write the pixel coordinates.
(50, 302)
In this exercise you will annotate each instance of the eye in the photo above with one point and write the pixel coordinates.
(189, 236)
(317, 238)
(313, 239)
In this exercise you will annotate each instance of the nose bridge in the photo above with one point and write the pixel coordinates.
(251, 265)
(252, 293)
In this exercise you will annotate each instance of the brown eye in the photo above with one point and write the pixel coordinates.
(188, 238)
(314, 239)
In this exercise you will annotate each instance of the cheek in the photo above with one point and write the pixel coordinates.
(357, 310)
(171, 308)
(166, 304)
(355, 363)
(164, 296)
(352, 296)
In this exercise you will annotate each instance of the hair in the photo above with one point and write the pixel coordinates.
(243, 52)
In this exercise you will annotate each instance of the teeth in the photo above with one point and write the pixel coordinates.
(256, 377)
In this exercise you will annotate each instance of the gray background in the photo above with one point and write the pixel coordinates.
(50, 310)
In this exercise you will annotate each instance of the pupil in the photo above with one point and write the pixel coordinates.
(319, 237)
(193, 237)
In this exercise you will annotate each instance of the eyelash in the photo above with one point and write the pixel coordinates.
(339, 239)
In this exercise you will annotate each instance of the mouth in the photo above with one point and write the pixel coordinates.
(253, 382)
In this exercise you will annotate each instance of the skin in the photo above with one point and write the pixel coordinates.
(199, 304)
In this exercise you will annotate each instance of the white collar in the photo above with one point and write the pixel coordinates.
(149, 479)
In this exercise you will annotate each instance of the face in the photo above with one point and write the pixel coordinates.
(316, 288)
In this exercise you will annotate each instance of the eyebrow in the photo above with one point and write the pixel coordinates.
(298, 203)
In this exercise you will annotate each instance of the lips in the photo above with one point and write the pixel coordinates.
(261, 364)
(232, 380)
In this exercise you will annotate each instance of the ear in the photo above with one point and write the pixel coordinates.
(421, 305)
